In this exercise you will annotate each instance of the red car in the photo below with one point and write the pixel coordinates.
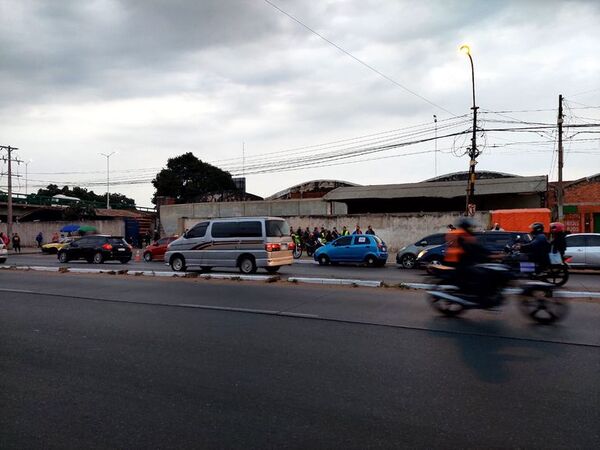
(158, 249)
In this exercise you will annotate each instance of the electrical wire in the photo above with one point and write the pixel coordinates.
(360, 61)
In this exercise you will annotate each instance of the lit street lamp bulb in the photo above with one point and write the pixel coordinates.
(465, 49)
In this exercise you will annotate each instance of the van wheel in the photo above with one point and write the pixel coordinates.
(147, 256)
(178, 263)
(247, 265)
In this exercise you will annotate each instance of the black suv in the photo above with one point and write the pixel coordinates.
(96, 249)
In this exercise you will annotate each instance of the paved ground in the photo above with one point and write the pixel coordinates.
(305, 267)
(100, 361)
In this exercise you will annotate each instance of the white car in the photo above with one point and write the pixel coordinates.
(3, 253)
(584, 250)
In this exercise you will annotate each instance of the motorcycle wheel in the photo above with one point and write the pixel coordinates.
(447, 308)
(557, 276)
(541, 306)
(310, 252)
(297, 252)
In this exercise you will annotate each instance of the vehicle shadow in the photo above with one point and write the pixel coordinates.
(489, 348)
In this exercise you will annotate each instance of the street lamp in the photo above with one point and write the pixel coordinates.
(473, 152)
(107, 156)
(26, 172)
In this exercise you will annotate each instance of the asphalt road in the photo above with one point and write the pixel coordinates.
(90, 361)
(390, 274)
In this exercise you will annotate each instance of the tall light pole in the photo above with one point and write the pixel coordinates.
(107, 156)
(26, 175)
(435, 153)
(473, 152)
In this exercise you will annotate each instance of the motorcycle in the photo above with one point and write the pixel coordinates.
(297, 252)
(556, 274)
(487, 290)
(312, 245)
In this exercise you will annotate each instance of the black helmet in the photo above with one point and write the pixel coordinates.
(467, 224)
(536, 228)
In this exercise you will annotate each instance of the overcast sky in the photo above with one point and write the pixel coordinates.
(154, 79)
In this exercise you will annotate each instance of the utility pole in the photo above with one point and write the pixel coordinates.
(559, 192)
(473, 152)
(9, 160)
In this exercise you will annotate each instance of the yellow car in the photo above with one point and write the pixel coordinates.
(54, 247)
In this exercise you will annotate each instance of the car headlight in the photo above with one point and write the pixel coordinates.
(421, 253)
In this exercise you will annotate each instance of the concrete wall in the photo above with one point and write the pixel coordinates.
(29, 230)
(397, 230)
(171, 215)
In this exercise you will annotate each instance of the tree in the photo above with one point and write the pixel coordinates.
(186, 178)
(116, 200)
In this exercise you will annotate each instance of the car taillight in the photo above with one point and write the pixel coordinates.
(107, 247)
(568, 259)
(291, 246)
(272, 247)
(379, 246)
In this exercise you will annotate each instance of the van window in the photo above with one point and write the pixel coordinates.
(199, 230)
(277, 228)
(249, 229)
(224, 229)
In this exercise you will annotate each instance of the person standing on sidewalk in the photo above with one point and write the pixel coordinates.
(16, 242)
(39, 239)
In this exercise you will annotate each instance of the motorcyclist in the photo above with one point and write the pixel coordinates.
(539, 247)
(558, 243)
(464, 253)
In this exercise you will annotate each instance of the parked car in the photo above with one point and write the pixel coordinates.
(356, 248)
(54, 247)
(494, 241)
(157, 250)
(583, 250)
(3, 253)
(96, 249)
(243, 242)
(407, 256)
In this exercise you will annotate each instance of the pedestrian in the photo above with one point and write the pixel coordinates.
(345, 231)
(16, 242)
(55, 237)
(328, 236)
(335, 234)
(39, 239)
(369, 230)
(357, 230)
(156, 235)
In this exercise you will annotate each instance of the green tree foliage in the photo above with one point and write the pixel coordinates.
(116, 200)
(79, 211)
(186, 178)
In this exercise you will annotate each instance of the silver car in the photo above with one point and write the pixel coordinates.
(247, 243)
(3, 253)
(583, 250)
(407, 256)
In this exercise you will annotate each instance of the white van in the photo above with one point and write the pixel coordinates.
(244, 242)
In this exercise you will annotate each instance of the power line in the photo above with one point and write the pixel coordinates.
(360, 61)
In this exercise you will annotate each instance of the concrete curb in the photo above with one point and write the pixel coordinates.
(148, 273)
(269, 278)
(336, 281)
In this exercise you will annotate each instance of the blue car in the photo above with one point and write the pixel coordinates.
(357, 248)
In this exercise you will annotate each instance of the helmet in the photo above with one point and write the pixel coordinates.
(467, 224)
(536, 228)
(557, 227)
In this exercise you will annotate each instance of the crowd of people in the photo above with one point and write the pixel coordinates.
(324, 235)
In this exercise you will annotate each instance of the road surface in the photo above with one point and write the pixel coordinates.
(92, 361)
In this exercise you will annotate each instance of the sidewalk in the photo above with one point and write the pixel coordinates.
(25, 251)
